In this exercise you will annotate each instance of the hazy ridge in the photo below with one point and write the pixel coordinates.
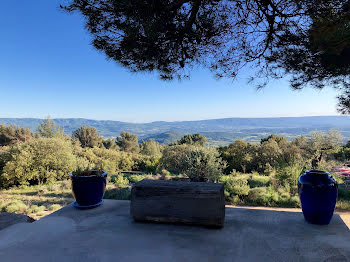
(218, 131)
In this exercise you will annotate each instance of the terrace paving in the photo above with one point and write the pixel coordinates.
(107, 233)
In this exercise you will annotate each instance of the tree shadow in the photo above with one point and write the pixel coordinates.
(284, 217)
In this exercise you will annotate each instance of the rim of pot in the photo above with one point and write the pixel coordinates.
(103, 174)
(316, 172)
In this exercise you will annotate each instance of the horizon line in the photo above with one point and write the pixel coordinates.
(82, 118)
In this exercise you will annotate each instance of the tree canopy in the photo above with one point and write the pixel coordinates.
(48, 129)
(128, 142)
(307, 40)
(150, 148)
(192, 139)
(13, 134)
(87, 136)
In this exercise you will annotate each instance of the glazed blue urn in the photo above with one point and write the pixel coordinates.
(318, 192)
(88, 188)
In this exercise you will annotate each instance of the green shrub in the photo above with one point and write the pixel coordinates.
(120, 181)
(284, 197)
(34, 209)
(112, 178)
(264, 196)
(294, 201)
(118, 193)
(15, 206)
(54, 207)
(203, 164)
(258, 181)
(257, 196)
(235, 185)
(343, 205)
(288, 177)
(135, 178)
(343, 193)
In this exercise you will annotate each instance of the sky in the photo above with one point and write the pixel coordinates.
(49, 68)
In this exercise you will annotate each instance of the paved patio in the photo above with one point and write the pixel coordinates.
(108, 234)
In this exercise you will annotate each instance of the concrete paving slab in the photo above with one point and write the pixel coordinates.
(9, 219)
(107, 233)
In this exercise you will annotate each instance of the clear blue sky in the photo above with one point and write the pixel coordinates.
(48, 67)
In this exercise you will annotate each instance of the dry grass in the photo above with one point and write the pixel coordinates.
(36, 201)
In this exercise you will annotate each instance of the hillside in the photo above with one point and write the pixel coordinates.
(217, 131)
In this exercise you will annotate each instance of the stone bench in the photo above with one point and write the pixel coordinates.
(194, 203)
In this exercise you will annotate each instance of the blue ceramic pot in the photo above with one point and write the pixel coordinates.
(318, 193)
(88, 188)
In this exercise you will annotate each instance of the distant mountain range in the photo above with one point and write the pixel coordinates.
(218, 131)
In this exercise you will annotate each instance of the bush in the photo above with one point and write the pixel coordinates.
(40, 160)
(118, 193)
(295, 201)
(135, 178)
(257, 196)
(343, 193)
(121, 182)
(264, 196)
(203, 164)
(343, 205)
(34, 209)
(235, 185)
(15, 206)
(258, 181)
(54, 207)
(288, 177)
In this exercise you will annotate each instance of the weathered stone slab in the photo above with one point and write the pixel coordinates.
(194, 203)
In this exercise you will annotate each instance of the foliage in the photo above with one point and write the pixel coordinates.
(54, 207)
(110, 144)
(122, 193)
(288, 177)
(48, 129)
(203, 164)
(15, 206)
(192, 139)
(235, 186)
(144, 163)
(12, 134)
(87, 136)
(40, 160)
(238, 156)
(105, 159)
(258, 181)
(34, 209)
(172, 158)
(272, 153)
(274, 165)
(136, 178)
(308, 40)
(128, 142)
(320, 144)
(150, 148)
(120, 181)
